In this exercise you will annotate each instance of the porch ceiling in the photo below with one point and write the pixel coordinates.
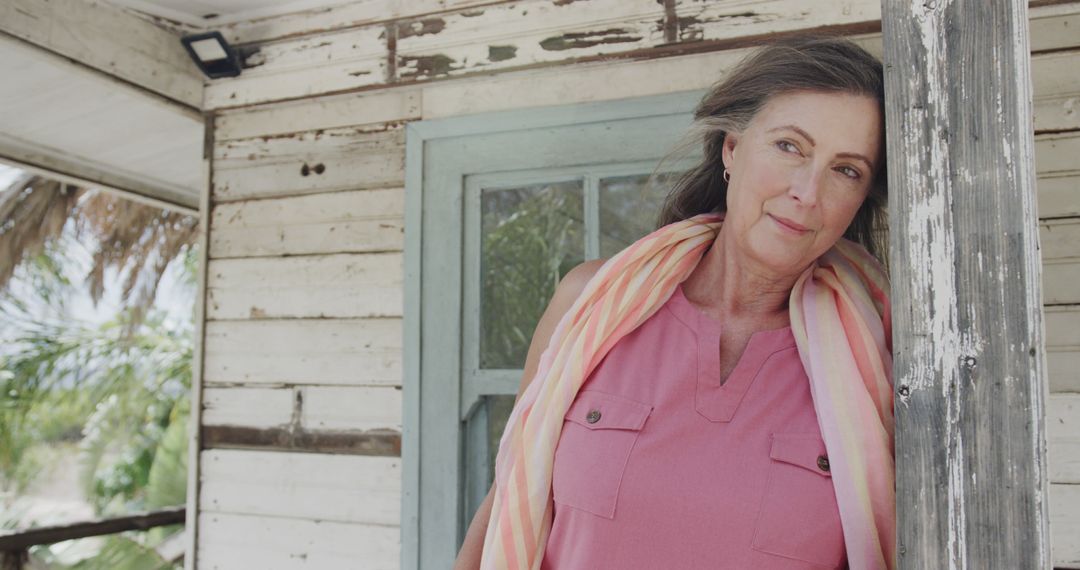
(63, 118)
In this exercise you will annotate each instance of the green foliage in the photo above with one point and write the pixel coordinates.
(531, 238)
(120, 391)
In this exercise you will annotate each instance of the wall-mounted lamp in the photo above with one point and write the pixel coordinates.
(214, 56)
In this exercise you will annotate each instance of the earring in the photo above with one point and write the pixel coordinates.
(727, 175)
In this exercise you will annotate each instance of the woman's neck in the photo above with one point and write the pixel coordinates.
(730, 287)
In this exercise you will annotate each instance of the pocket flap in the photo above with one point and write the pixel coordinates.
(805, 450)
(597, 410)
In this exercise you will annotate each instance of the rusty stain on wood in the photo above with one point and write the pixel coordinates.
(577, 40)
(671, 22)
(376, 442)
(391, 52)
(502, 53)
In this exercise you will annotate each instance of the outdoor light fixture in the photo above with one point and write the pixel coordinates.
(214, 56)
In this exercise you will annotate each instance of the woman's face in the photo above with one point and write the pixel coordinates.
(799, 173)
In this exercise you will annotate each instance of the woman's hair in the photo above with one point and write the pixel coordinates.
(802, 63)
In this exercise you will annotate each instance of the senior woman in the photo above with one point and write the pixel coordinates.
(718, 394)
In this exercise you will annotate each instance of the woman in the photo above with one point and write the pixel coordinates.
(718, 395)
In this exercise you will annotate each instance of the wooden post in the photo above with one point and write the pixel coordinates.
(969, 370)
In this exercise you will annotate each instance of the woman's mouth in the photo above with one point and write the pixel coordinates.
(790, 226)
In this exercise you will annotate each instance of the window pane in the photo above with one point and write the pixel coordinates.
(531, 236)
(629, 209)
(483, 430)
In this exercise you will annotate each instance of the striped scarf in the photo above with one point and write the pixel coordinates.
(840, 319)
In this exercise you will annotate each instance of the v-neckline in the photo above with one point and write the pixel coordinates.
(714, 400)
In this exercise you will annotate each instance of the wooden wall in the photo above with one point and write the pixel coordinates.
(302, 365)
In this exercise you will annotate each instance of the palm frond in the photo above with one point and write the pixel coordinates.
(33, 212)
(135, 240)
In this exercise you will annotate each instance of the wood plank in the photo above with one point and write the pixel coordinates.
(1057, 153)
(1063, 368)
(1054, 27)
(578, 83)
(1063, 326)
(339, 285)
(1059, 241)
(334, 488)
(351, 408)
(712, 21)
(351, 15)
(232, 541)
(291, 439)
(1059, 195)
(307, 407)
(1063, 438)
(328, 112)
(1065, 525)
(1057, 90)
(354, 352)
(305, 67)
(338, 222)
(108, 39)
(1060, 279)
(247, 406)
(1060, 238)
(524, 33)
(967, 303)
(1063, 347)
(309, 162)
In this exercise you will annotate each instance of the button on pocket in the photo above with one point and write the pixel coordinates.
(599, 431)
(798, 517)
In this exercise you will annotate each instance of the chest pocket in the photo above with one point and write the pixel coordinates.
(598, 432)
(799, 517)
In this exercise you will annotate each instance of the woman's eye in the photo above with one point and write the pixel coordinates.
(849, 172)
(786, 146)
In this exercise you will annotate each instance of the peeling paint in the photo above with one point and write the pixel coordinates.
(423, 27)
(502, 53)
(426, 66)
(577, 40)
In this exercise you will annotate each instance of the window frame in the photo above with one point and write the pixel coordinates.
(441, 154)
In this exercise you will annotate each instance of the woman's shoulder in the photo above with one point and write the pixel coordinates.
(575, 280)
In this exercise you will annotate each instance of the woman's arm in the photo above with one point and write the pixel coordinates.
(565, 294)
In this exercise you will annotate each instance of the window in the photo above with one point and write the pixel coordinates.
(499, 208)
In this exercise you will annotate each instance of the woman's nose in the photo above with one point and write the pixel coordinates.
(806, 186)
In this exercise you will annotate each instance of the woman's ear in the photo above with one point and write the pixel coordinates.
(728, 152)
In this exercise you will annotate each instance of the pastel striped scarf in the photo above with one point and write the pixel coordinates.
(840, 320)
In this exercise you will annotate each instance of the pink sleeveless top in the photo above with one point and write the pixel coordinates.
(660, 467)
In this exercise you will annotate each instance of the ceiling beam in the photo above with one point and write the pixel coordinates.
(58, 165)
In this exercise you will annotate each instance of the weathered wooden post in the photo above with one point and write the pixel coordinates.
(969, 371)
